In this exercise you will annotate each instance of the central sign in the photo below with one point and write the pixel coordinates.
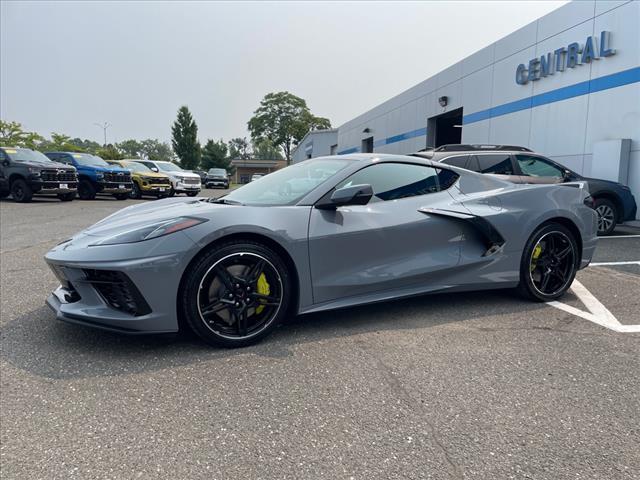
(563, 58)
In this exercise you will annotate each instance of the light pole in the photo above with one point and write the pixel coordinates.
(104, 127)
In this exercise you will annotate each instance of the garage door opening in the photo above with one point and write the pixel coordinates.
(445, 129)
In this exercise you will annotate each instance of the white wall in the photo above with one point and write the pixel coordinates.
(565, 130)
(318, 142)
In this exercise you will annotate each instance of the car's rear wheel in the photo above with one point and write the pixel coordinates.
(21, 191)
(86, 190)
(607, 216)
(549, 263)
(236, 294)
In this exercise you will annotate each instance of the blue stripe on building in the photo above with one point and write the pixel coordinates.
(619, 79)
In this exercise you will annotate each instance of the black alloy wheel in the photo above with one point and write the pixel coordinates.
(549, 263)
(66, 197)
(607, 216)
(121, 196)
(21, 191)
(237, 294)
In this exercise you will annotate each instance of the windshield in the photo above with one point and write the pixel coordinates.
(168, 167)
(217, 171)
(136, 167)
(287, 186)
(90, 160)
(26, 155)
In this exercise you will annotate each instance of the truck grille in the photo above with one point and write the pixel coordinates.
(58, 175)
(191, 181)
(160, 181)
(117, 177)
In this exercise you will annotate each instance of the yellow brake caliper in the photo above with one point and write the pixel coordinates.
(534, 257)
(263, 289)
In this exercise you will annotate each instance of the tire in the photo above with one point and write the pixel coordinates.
(549, 263)
(237, 317)
(192, 194)
(67, 197)
(21, 191)
(607, 216)
(86, 191)
(172, 192)
(136, 194)
(121, 196)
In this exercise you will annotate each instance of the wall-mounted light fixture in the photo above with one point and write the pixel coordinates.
(366, 130)
(443, 101)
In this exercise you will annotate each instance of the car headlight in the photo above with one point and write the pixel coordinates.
(99, 176)
(153, 230)
(34, 171)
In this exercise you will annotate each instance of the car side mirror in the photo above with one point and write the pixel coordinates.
(352, 195)
(154, 169)
(567, 175)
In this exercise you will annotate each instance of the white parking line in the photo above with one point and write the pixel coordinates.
(598, 313)
(601, 264)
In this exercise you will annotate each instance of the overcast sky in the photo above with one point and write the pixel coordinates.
(66, 65)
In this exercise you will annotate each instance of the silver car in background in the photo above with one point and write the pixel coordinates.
(322, 234)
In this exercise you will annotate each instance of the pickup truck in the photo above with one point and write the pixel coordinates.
(181, 180)
(95, 175)
(25, 173)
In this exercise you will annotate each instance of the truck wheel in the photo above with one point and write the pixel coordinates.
(192, 194)
(86, 190)
(21, 191)
(172, 192)
(67, 197)
(121, 196)
(136, 194)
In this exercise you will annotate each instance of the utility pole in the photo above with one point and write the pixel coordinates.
(104, 127)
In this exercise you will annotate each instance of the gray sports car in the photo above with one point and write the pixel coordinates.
(326, 233)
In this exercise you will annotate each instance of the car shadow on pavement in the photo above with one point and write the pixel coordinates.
(39, 344)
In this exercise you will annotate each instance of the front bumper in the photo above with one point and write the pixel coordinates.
(155, 189)
(47, 187)
(110, 187)
(155, 276)
(187, 187)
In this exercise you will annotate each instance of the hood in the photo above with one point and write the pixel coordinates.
(183, 174)
(151, 212)
(104, 169)
(150, 174)
(45, 165)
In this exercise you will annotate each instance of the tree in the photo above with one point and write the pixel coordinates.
(239, 149)
(131, 148)
(284, 119)
(264, 150)
(154, 149)
(214, 155)
(109, 152)
(185, 139)
(61, 142)
(12, 135)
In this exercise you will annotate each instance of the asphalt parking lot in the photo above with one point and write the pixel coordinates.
(481, 385)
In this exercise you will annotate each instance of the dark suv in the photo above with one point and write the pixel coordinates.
(25, 173)
(216, 177)
(613, 201)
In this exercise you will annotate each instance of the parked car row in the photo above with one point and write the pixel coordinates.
(613, 202)
(25, 173)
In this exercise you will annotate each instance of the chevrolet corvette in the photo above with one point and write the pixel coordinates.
(326, 233)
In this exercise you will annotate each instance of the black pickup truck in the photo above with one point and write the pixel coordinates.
(25, 173)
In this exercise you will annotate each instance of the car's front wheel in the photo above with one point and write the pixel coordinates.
(135, 193)
(236, 294)
(86, 191)
(67, 197)
(549, 263)
(607, 216)
(192, 194)
(21, 191)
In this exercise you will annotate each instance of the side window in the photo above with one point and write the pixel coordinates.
(457, 161)
(498, 164)
(63, 159)
(538, 167)
(391, 181)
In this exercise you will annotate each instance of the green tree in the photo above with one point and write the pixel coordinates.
(62, 143)
(284, 119)
(153, 149)
(130, 148)
(86, 145)
(239, 148)
(214, 155)
(110, 152)
(185, 139)
(264, 150)
(12, 135)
